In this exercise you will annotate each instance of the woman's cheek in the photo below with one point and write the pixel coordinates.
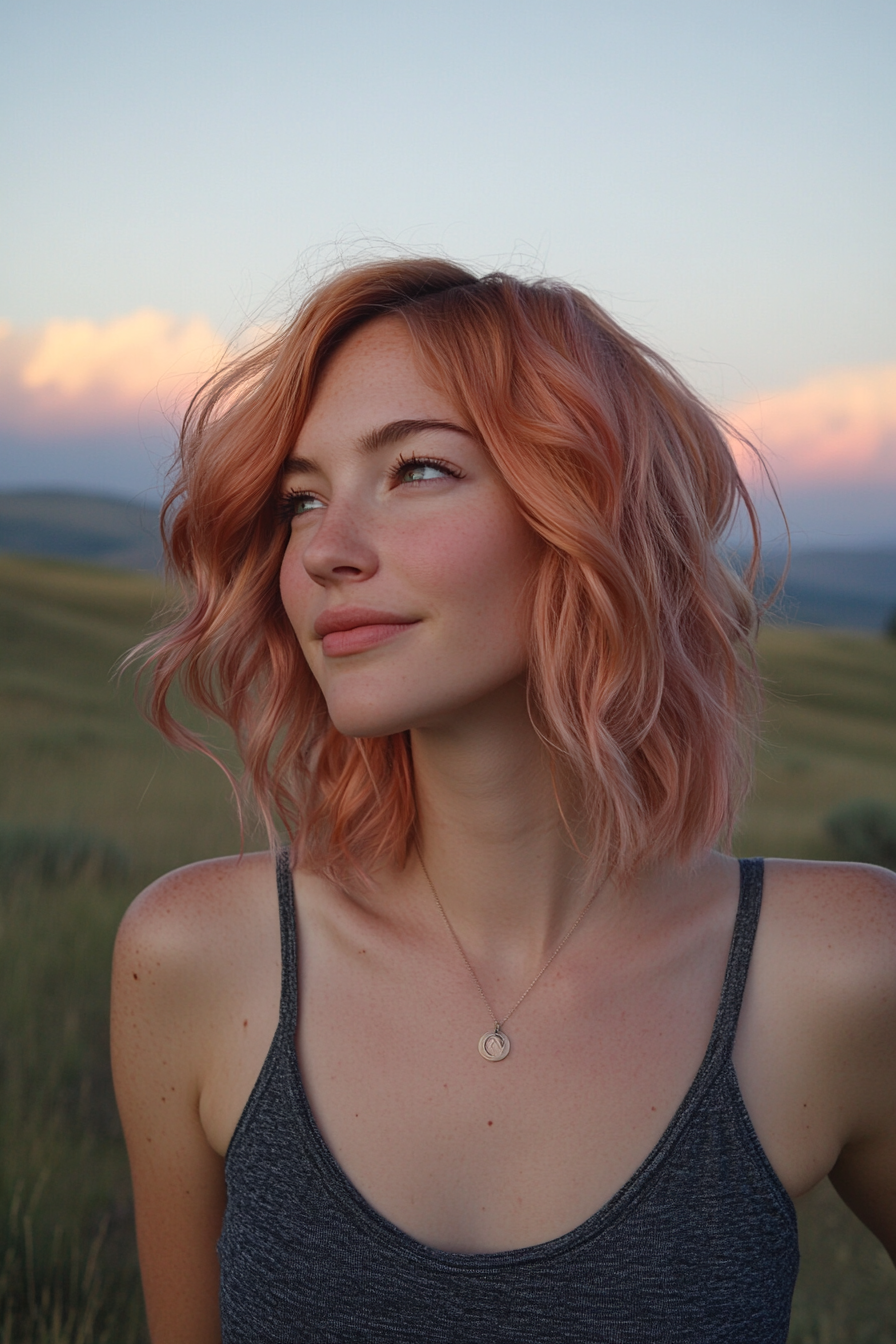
(294, 585)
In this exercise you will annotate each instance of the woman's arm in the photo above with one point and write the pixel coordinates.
(865, 1173)
(160, 1024)
(865, 1179)
(816, 1049)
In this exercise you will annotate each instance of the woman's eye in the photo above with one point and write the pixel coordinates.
(422, 469)
(297, 504)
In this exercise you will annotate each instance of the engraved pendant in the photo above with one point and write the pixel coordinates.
(494, 1045)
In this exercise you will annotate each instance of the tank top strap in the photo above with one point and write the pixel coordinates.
(742, 939)
(725, 1026)
(289, 974)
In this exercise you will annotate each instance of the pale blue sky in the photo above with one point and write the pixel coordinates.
(721, 174)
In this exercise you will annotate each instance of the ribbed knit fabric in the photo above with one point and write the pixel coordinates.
(698, 1247)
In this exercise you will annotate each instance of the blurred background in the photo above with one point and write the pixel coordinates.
(719, 176)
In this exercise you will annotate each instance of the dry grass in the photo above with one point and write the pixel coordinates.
(80, 763)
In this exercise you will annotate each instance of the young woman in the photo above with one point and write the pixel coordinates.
(501, 1048)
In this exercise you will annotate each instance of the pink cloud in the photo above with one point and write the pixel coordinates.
(836, 428)
(80, 377)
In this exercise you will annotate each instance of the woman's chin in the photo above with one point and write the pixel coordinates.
(443, 708)
(383, 723)
(359, 723)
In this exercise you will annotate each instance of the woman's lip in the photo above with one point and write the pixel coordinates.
(340, 642)
(347, 618)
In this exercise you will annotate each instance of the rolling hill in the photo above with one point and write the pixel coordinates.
(101, 528)
(851, 589)
(855, 590)
(79, 761)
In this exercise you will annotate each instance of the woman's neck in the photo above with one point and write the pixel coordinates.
(491, 831)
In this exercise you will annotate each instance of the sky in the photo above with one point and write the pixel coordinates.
(719, 175)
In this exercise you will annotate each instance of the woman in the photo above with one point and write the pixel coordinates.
(480, 1059)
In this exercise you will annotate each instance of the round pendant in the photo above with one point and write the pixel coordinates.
(494, 1045)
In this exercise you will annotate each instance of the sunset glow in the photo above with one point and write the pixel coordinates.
(837, 427)
(81, 377)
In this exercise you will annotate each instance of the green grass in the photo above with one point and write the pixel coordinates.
(84, 775)
(830, 735)
(76, 752)
(79, 766)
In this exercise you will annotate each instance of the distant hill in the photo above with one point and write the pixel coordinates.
(851, 589)
(101, 528)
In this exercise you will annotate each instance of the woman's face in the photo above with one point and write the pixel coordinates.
(408, 563)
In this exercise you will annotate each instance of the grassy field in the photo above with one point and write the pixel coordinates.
(92, 806)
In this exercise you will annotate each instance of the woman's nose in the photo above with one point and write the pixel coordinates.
(340, 547)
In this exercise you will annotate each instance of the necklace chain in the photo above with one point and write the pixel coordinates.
(499, 1022)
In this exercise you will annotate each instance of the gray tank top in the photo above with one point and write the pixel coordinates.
(698, 1247)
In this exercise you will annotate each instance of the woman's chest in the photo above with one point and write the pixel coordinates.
(472, 1155)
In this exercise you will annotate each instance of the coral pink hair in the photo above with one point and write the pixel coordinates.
(642, 678)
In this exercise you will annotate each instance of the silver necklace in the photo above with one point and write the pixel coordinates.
(495, 1045)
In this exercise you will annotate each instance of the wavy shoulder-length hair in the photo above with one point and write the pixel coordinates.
(642, 679)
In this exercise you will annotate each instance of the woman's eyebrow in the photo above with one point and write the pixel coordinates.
(397, 430)
(375, 439)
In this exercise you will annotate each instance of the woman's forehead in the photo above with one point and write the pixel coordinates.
(374, 378)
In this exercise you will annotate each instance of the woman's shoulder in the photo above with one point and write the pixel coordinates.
(854, 903)
(826, 949)
(197, 952)
(196, 937)
(195, 907)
